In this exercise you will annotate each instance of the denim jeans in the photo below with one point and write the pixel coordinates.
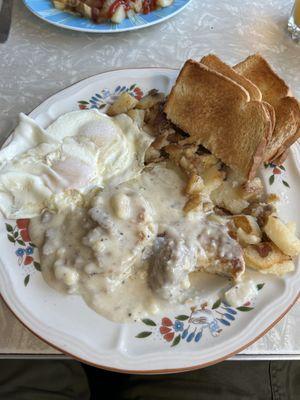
(231, 380)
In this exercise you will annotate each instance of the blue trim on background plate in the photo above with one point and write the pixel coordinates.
(45, 10)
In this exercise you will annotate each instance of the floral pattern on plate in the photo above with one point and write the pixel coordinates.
(200, 320)
(25, 249)
(116, 347)
(278, 172)
(106, 97)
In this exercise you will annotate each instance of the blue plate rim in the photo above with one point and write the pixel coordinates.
(89, 30)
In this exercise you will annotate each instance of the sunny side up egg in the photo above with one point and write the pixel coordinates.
(80, 150)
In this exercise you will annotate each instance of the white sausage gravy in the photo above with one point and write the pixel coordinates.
(130, 250)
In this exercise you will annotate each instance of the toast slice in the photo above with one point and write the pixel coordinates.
(286, 132)
(276, 92)
(214, 62)
(272, 115)
(218, 113)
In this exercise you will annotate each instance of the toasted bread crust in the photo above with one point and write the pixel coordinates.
(258, 156)
(213, 62)
(272, 115)
(259, 71)
(287, 128)
(276, 92)
(216, 112)
(281, 159)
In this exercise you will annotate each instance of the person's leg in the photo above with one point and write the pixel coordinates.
(252, 380)
(225, 381)
(42, 380)
(104, 382)
(64, 380)
(285, 380)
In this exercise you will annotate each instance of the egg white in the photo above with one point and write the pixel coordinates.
(80, 150)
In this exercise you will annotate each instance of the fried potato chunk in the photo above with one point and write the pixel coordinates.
(282, 236)
(151, 99)
(123, 104)
(137, 116)
(192, 203)
(194, 185)
(248, 231)
(268, 258)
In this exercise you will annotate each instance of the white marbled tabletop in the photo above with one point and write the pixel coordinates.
(39, 60)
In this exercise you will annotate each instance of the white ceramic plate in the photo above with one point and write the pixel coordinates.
(188, 339)
(45, 10)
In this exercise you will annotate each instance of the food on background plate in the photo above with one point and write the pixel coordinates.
(132, 207)
(114, 10)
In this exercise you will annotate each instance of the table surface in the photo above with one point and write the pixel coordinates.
(40, 59)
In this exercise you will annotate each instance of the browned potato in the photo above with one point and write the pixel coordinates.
(152, 155)
(192, 203)
(60, 5)
(272, 198)
(123, 104)
(194, 185)
(248, 231)
(137, 116)
(229, 197)
(268, 258)
(213, 178)
(150, 100)
(252, 190)
(282, 236)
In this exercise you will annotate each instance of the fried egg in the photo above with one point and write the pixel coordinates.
(80, 150)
